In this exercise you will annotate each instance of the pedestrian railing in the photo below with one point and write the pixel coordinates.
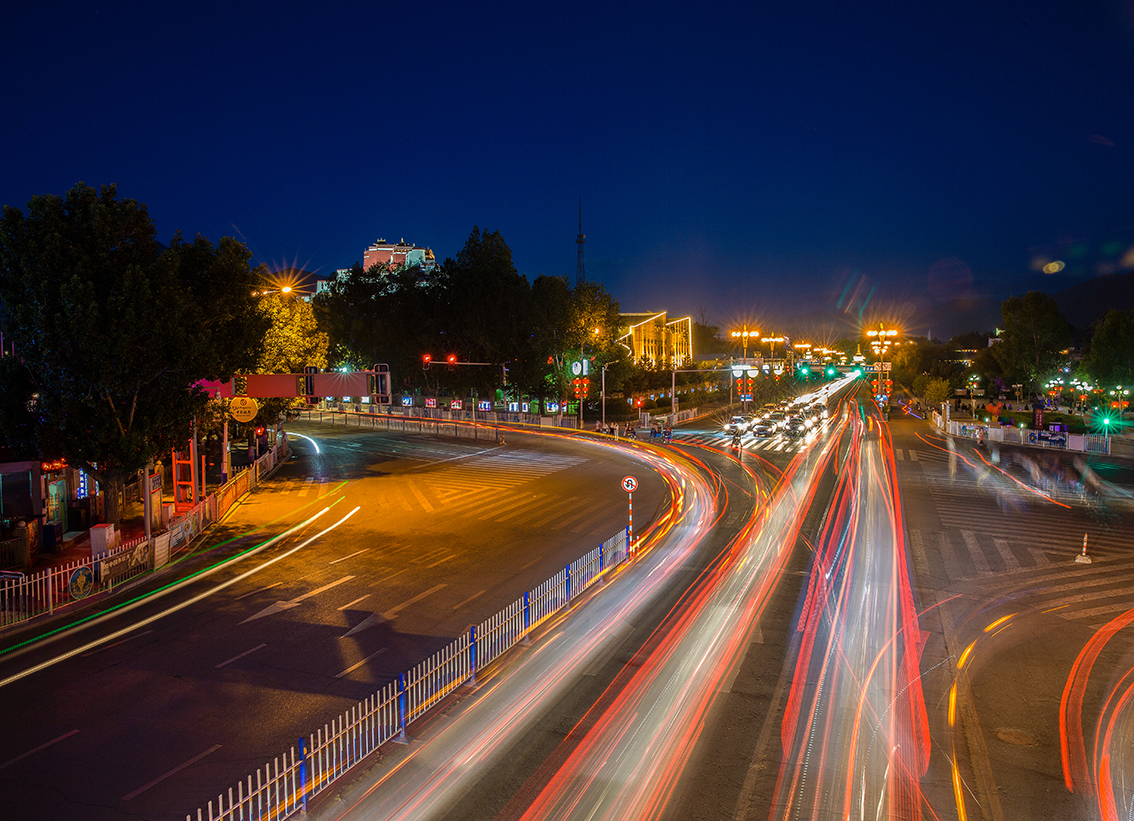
(24, 597)
(477, 431)
(278, 790)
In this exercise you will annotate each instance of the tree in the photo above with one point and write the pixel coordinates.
(112, 332)
(1110, 356)
(937, 393)
(292, 342)
(1035, 334)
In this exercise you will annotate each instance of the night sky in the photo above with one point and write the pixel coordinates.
(746, 160)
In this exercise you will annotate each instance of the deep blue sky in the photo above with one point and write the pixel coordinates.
(745, 159)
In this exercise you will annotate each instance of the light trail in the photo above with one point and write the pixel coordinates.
(512, 695)
(634, 750)
(855, 730)
(181, 605)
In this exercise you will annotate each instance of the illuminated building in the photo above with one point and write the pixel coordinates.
(398, 254)
(652, 339)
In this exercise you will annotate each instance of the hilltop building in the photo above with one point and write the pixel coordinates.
(398, 254)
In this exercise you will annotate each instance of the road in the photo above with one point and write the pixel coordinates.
(146, 711)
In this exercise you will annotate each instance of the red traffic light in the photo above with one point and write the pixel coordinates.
(426, 359)
(259, 431)
(452, 359)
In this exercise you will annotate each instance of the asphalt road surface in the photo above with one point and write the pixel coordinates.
(394, 545)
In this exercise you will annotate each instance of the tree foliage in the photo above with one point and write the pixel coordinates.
(1110, 355)
(1035, 333)
(937, 392)
(475, 306)
(112, 331)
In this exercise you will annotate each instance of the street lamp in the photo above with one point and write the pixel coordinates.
(773, 340)
(743, 335)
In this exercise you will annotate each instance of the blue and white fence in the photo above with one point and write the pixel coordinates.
(283, 786)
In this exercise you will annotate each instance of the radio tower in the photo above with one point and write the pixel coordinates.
(580, 274)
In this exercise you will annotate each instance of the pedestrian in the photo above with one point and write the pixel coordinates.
(598, 426)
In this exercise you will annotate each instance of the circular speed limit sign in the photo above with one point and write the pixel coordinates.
(629, 484)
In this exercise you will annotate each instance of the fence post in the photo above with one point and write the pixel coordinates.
(601, 564)
(303, 772)
(51, 591)
(527, 619)
(402, 707)
(568, 582)
(472, 653)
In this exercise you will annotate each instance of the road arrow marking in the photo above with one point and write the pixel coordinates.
(280, 606)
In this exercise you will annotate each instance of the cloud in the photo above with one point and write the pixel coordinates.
(1098, 139)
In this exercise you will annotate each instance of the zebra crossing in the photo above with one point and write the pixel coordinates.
(775, 444)
(316, 486)
(1009, 544)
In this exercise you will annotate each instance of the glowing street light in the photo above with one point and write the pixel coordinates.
(744, 334)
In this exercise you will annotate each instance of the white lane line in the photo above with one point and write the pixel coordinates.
(307, 486)
(352, 603)
(174, 771)
(393, 611)
(351, 556)
(254, 592)
(107, 647)
(280, 606)
(188, 602)
(441, 561)
(240, 656)
(22, 756)
(354, 667)
(1006, 554)
(469, 599)
(387, 578)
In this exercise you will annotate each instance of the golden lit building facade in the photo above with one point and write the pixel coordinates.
(653, 339)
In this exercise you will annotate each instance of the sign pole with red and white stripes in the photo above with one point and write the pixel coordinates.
(630, 484)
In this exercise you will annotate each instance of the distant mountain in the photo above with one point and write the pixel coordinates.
(957, 316)
(1082, 304)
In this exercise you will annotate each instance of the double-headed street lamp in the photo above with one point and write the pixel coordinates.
(773, 340)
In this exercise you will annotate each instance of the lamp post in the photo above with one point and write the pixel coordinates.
(773, 340)
(743, 334)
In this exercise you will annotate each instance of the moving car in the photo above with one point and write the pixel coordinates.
(737, 424)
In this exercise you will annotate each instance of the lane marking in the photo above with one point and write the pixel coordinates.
(188, 602)
(352, 603)
(354, 667)
(242, 655)
(392, 612)
(174, 771)
(469, 599)
(351, 556)
(441, 561)
(420, 496)
(254, 592)
(107, 647)
(280, 606)
(307, 486)
(21, 757)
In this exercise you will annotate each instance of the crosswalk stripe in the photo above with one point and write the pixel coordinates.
(1010, 560)
(913, 455)
(975, 552)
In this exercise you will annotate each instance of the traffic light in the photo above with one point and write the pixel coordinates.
(452, 360)
(309, 384)
(260, 432)
(426, 359)
(831, 370)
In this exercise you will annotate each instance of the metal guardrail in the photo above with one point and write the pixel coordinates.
(278, 790)
(24, 597)
(458, 429)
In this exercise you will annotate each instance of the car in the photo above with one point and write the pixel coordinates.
(737, 424)
(762, 430)
(776, 419)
